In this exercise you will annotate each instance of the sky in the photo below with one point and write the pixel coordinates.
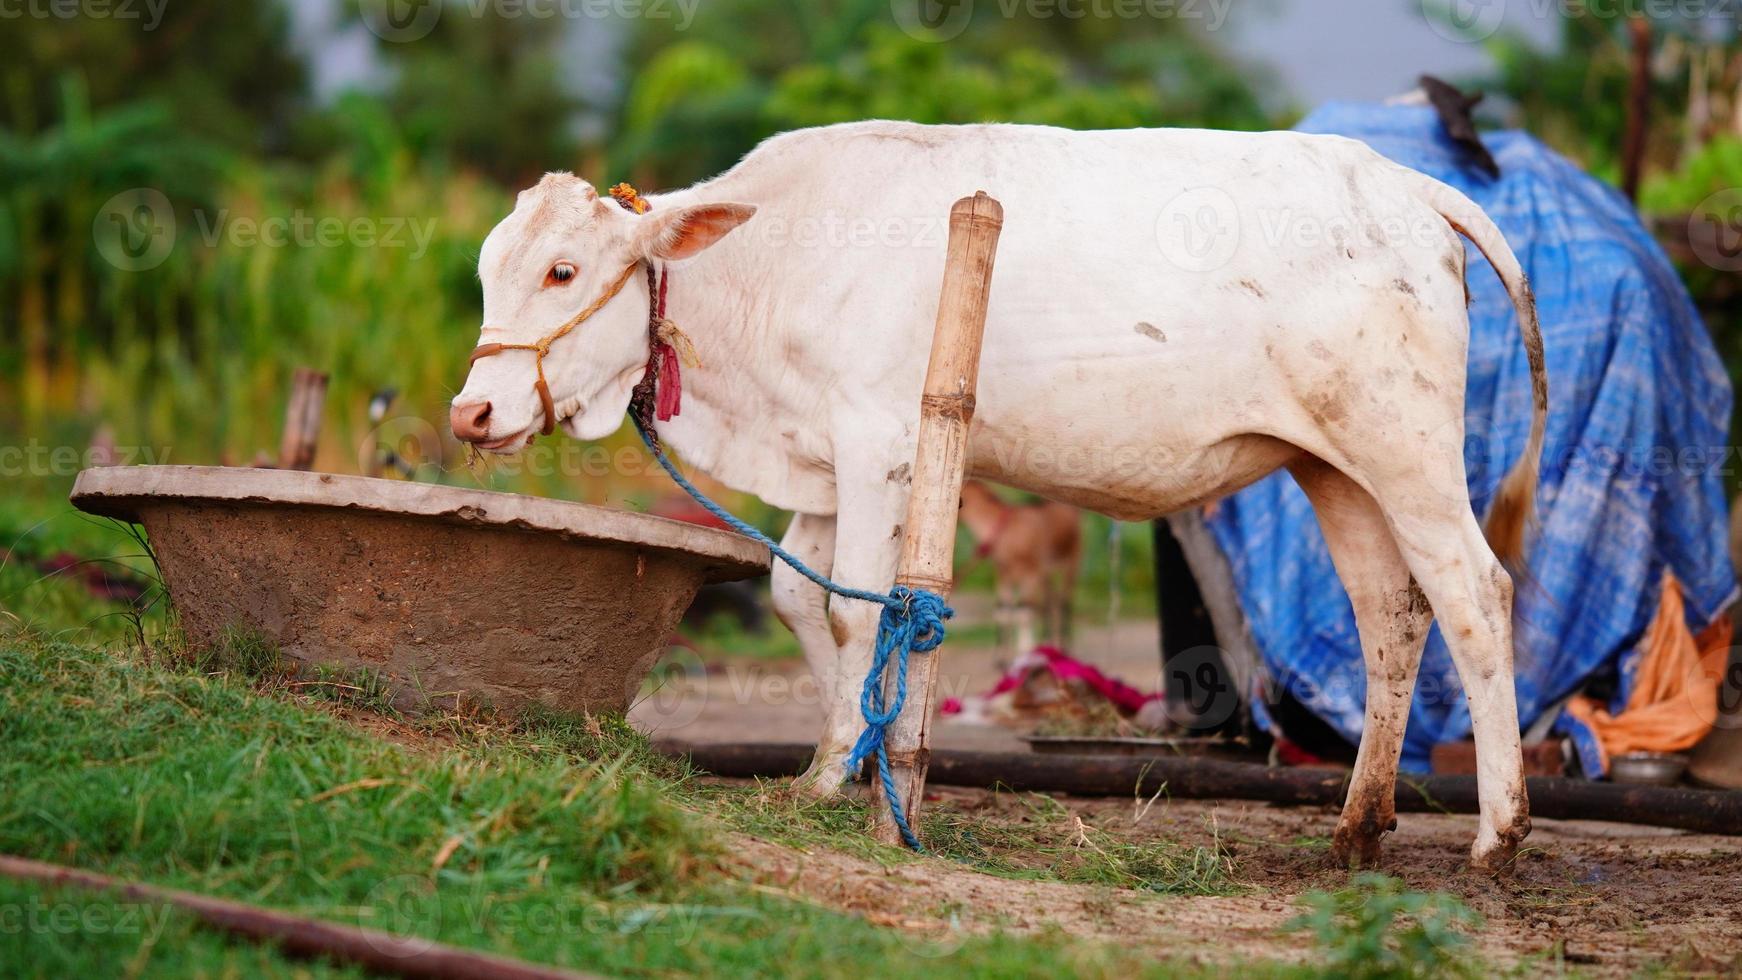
(1370, 49)
(1320, 49)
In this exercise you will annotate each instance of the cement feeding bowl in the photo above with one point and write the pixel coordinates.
(444, 593)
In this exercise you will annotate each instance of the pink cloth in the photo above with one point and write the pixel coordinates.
(1066, 668)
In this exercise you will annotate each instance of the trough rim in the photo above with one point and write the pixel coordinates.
(120, 492)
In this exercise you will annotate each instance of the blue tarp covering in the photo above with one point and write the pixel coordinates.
(1639, 407)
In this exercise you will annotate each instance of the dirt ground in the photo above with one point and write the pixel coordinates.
(750, 700)
(1607, 899)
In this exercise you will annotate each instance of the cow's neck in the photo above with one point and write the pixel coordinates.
(736, 424)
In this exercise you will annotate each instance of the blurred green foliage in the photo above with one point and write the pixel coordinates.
(187, 348)
(757, 67)
(212, 110)
(225, 71)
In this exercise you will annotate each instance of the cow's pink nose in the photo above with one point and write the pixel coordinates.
(471, 423)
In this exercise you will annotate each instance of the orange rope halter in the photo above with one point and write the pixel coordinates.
(542, 347)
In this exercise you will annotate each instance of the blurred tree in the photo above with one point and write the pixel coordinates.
(692, 111)
(54, 187)
(223, 70)
(899, 77)
(484, 90)
(1573, 94)
(696, 107)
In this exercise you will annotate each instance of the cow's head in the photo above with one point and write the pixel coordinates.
(560, 251)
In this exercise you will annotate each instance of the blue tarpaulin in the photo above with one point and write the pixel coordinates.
(1632, 479)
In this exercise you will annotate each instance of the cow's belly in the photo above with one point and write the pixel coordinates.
(1139, 443)
(1144, 485)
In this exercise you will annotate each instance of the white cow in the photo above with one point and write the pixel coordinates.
(1174, 314)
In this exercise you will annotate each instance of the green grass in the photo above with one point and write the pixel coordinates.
(1377, 929)
(551, 838)
(1041, 843)
(51, 932)
(556, 839)
(1050, 844)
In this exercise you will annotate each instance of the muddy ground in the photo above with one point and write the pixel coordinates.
(1605, 899)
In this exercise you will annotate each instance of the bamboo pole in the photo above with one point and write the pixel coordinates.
(946, 408)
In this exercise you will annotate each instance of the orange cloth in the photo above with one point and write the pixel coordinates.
(1675, 690)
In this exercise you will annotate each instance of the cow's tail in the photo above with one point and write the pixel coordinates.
(1511, 512)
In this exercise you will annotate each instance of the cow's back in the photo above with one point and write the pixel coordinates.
(1152, 290)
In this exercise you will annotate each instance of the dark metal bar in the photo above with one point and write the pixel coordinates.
(1185, 777)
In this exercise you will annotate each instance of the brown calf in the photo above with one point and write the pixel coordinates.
(1034, 550)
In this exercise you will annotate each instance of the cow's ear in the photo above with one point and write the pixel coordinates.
(682, 232)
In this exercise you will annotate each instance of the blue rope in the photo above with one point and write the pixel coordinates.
(912, 622)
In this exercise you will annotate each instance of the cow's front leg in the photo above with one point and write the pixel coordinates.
(802, 604)
(867, 545)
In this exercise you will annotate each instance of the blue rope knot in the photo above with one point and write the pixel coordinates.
(912, 622)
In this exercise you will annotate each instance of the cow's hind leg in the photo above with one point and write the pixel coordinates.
(1472, 600)
(1435, 528)
(1392, 616)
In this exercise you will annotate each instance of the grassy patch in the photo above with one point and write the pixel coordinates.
(1376, 928)
(556, 839)
(73, 933)
(191, 781)
(1051, 843)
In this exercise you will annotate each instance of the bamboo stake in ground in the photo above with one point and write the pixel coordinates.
(928, 543)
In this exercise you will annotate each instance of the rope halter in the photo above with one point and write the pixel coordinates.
(542, 346)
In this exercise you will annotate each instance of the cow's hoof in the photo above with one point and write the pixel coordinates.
(1354, 851)
(1494, 861)
(1357, 845)
(825, 779)
(1494, 854)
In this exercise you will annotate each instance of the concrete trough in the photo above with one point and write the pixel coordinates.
(449, 593)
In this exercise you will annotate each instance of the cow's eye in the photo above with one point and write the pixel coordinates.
(561, 272)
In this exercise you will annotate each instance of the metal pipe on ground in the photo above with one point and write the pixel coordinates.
(1554, 797)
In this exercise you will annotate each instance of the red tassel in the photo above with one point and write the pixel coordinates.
(670, 398)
